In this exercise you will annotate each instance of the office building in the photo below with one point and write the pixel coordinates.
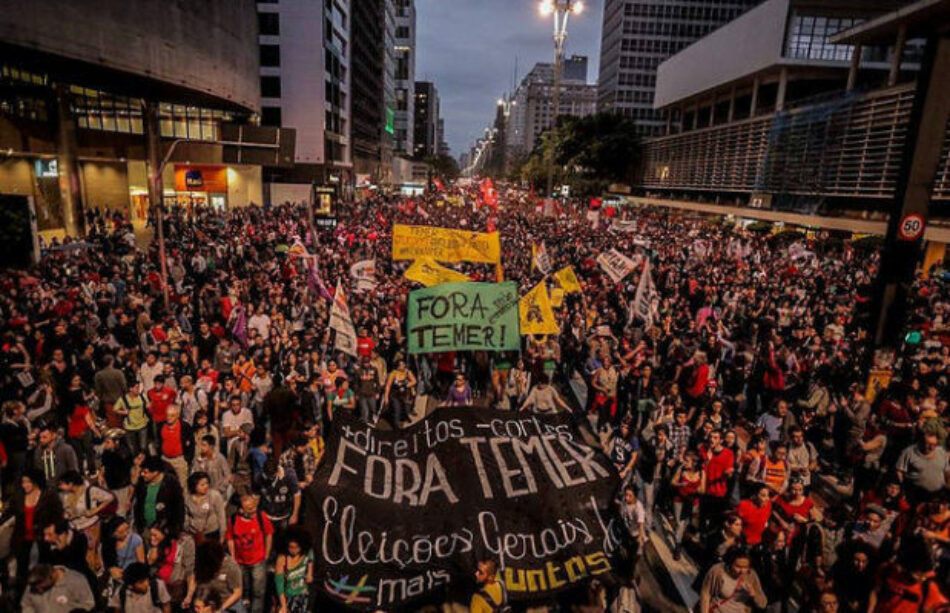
(369, 84)
(426, 120)
(531, 107)
(637, 35)
(89, 99)
(304, 85)
(405, 75)
(790, 120)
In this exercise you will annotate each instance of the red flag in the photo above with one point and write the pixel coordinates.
(438, 184)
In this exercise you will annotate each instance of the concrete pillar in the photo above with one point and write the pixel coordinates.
(782, 89)
(153, 154)
(921, 157)
(74, 218)
(855, 65)
(754, 103)
(696, 116)
(680, 120)
(712, 112)
(669, 121)
(898, 56)
(732, 106)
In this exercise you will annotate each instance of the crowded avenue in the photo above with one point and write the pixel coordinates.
(415, 406)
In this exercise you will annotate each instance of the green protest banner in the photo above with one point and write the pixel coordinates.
(464, 317)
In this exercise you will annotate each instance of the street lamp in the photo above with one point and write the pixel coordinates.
(561, 9)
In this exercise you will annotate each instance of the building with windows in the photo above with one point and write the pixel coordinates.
(790, 121)
(638, 35)
(304, 52)
(531, 108)
(426, 120)
(373, 89)
(90, 99)
(405, 75)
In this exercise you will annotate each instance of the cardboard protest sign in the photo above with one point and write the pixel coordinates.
(616, 265)
(364, 273)
(429, 272)
(643, 300)
(445, 245)
(341, 322)
(540, 259)
(568, 280)
(463, 317)
(402, 515)
(537, 316)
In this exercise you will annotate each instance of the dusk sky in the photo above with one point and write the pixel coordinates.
(468, 48)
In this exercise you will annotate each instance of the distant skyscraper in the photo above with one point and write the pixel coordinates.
(405, 75)
(637, 35)
(531, 111)
(426, 137)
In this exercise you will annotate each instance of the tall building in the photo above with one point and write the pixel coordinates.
(426, 121)
(531, 109)
(637, 35)
(86, 117)
(405, 75)
(369, 84)
(791, 120)
(305, 84)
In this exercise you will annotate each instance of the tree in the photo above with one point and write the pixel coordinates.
(589, 153)
(602, 146)
(443, 166)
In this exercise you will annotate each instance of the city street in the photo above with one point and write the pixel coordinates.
(320, 306)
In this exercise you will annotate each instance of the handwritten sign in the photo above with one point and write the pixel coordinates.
(445, 245)
(400, 515)
(464, 316)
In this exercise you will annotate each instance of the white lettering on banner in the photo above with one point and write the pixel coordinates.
(517, 546)
(377, 467)
(365, 547)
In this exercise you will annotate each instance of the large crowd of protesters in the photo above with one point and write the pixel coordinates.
(153, 459)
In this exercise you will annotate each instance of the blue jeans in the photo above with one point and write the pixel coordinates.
(367, 408)
(255, 584)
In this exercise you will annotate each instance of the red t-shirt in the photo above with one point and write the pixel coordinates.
(171, 440)
(754, 520)
(365, 346)
(158, 402)
(248, 535)
(716, 467)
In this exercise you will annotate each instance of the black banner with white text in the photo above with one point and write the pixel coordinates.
(398, 516)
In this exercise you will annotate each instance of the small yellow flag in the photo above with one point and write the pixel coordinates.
(568, 280)
(429, 272)
(537, 316)
(557, 297)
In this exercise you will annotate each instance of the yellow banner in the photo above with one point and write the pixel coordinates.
(429, 272)
(537, 316)
(567, 279)
(445, 245)
(557, 297)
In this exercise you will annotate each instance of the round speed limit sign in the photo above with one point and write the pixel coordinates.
(911, 227)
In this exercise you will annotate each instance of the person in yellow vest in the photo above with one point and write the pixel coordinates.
(491, 596)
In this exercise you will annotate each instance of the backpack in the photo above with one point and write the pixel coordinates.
(107, 511)
(152, 591)
(500, 607)
(257, 514)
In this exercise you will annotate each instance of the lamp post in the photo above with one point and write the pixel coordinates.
(560, 9)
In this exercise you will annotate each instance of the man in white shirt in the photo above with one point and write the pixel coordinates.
(260, 321)
(232, 419)
(150, 369)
